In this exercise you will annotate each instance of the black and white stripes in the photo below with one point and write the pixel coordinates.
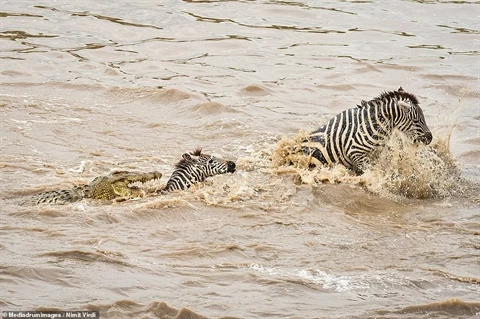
(353, 135)
(196, 167)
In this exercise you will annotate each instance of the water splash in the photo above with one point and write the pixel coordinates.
(414, 171)
(401, 168)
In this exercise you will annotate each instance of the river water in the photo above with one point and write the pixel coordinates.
(90, 87)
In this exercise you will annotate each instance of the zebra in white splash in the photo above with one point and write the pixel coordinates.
(353, 135)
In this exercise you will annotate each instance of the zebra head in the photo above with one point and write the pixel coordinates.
(410, 118)
(209, 165)
(196, 167)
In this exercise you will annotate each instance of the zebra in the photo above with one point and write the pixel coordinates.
(352, 136)
(196, 167)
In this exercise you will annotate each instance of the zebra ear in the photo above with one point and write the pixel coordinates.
(400, 89)
(187, 157)
(404, 106)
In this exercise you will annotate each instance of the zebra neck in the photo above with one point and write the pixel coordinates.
(185, 177)
(393, 113)
(382, 118)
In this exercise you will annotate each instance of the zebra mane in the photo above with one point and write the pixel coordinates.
(363, 104)
(197, 152)
(400, 94)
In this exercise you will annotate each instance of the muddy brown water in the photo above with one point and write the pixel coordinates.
(90, 87)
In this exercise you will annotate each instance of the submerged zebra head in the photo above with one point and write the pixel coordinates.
(196, 167)
(409, 117)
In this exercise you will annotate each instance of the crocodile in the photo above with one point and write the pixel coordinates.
(114, 186)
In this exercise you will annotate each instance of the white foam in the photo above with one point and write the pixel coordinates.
(329, 281)
(80, 168)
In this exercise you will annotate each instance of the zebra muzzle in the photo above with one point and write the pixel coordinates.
(231, 167)
(425, 139)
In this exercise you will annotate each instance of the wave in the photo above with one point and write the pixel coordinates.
(29, 274)
(160, 95)
(88, 257)
(255, 90)
(211, 108)
(449, 307)
(131, 309)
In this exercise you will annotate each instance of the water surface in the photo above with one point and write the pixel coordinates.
(88, 88)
